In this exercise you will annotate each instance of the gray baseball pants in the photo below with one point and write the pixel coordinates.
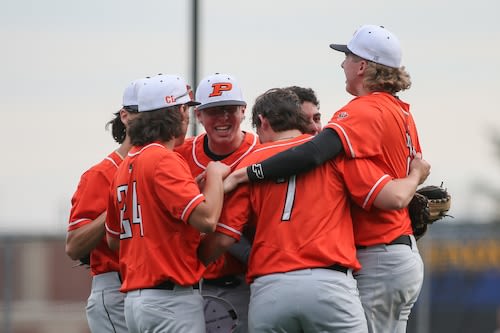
(105, 305)
(389, 283)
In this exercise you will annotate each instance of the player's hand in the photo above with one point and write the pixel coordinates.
(201, 180)
(218, 168)
(234, 179)
(421, 167)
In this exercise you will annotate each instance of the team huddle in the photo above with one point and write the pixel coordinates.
(296, 228)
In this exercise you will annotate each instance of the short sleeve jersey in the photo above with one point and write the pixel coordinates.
(88, 202)
(151, 199)
(301, 222)
(194, 153)
(379, 127)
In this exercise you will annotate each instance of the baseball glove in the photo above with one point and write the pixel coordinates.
(429, 204)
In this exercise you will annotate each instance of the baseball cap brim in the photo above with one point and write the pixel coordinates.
(132, 108)
(221, 103)
(187, 98)
(340, 47)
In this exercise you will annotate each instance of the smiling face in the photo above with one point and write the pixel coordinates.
(222, 124)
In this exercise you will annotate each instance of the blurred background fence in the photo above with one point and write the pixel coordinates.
(42, 292)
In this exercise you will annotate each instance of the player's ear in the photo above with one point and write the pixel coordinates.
(185, 112)
(198, 115)
(124, 116)
(264, 123)
(362, 66)
(242, 110)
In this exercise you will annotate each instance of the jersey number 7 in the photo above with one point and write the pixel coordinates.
(290, 198)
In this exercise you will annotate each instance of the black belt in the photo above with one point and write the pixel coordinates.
(337, 268)
(403, 240)
(228, 281)
(169, 285)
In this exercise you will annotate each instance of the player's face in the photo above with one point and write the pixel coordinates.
(314, 116)
(352, 66)
(222, 124)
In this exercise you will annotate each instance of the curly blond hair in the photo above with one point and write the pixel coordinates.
(384, 78)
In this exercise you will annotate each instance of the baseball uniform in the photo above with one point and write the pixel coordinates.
(150, 202)
(380, 127)
(303, 253)
(105, 305)
(225, 277)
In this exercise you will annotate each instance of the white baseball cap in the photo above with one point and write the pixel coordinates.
(162, 91)
(218, 90)
(130, 96)
(374, 43)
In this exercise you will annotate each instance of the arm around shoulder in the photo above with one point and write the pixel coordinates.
(304, 157)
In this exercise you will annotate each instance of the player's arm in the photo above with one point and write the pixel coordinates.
(79, 242)
(112, 224)
(301, 158)
(205, 216)
(113, 243)
(241, 250)
(398, 193)
(213, 245)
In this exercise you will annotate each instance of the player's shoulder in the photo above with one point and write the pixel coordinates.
(251, 138)
(366, 107)
(186, 148)
(360, 103)
(155, 149)
(250, 141)
(188, 143)
(109, 163)
(378, 99)
(263, 151)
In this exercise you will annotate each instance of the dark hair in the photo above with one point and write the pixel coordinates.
(159, 125)
(305, 94)
(118, 130)
(282, 108)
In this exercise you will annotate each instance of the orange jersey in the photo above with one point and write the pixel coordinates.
(89, 201)
(379, 127)
(151, 199)
(194, 153)
(301, 222)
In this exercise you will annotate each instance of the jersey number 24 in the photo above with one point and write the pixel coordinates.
(126, 221)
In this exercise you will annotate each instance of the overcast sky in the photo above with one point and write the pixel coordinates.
(64, 65)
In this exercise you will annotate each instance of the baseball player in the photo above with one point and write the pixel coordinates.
(156, 213)
(303, 252)
(310, 107)
(221, 112)
(376, 125)
(85, 237)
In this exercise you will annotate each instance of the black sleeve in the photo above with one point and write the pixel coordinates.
(323, 147)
